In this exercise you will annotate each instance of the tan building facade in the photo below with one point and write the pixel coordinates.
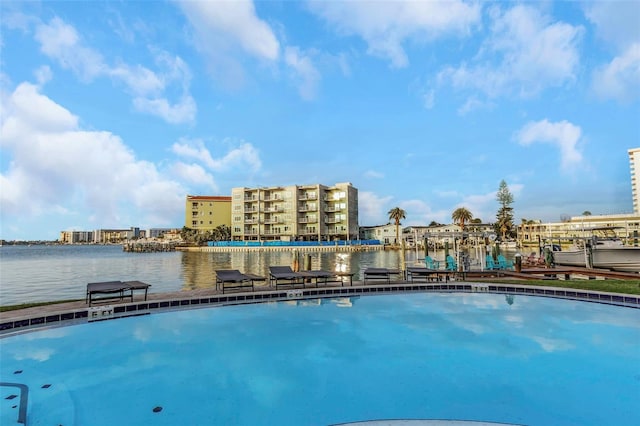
(295, 213)
(207, 212)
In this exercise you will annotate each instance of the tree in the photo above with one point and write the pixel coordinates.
(586, 213)
(434, 223)
(504, 223)
(396, 214)
(188, 235)
(461, 215)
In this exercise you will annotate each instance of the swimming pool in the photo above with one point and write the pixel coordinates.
(487, 357)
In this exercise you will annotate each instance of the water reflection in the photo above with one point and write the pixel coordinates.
(198, 269)
(47, 273)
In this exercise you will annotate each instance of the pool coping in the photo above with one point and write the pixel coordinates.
(64, 317)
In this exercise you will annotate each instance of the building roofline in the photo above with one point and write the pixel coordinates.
(209, 197)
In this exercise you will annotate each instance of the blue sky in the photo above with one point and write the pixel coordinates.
(112, 112)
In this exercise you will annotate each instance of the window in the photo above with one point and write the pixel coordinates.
(194, 223)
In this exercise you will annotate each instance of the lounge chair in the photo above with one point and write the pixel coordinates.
(234, 279)
(451, 264)
(285, 273)
(324, 277)
(490, 263)
(379, 274)
(430, 263)
(114, 290)
(416, 272)
(503, 263)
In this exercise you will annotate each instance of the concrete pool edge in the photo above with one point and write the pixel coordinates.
(18, 321)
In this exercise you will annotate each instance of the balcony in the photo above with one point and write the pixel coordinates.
(275, 209)
(331, 220)
(273, 221)
(308, 220)
(332, 209)
(306, 197)
(307, 209)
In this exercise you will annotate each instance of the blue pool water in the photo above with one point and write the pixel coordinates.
(484, 357)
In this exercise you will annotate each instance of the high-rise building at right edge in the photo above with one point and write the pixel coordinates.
(634, 160)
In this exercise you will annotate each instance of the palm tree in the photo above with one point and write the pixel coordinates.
(461, 215)
(397, 214)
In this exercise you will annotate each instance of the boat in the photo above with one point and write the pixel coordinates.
(602, 250)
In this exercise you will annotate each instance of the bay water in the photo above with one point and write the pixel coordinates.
(40, 273)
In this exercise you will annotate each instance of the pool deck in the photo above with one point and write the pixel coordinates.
(68, 313)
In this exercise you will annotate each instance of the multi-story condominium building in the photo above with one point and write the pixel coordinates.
(207, 212)
(76, 237)
(634, 164)
(116, 235)
(295, 213)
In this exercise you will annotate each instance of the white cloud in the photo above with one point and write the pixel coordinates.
(429, 99)
(61, 42)
(620, 79)
(564, 135)
(43, 75)
(473, 104)
(181, 112)
(372, 209)
(616, 21)
(372, 174)
(139, 80)
(617, 24)
(420, 213)
(243, 156)
(306, 75)
(526, 53)
(236, 22)
(58, 166)
(226, 31)
(194, 173)
(386, 26)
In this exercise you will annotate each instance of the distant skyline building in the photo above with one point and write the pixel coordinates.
(634, 165)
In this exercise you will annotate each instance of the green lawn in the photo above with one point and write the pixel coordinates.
(613, 286)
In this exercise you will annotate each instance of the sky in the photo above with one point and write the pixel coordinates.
(112, 112)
